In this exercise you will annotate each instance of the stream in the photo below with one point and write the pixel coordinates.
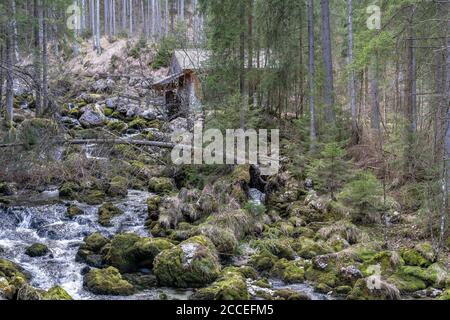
(42, 219)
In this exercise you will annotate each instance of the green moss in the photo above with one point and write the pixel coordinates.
(360, 291)
(118, 187)
(263, 261)
(106, 212)
(117, 126)
(138, 124)
(37, 250)
(223, 238)
(108, 111)
(445, 295)
(278, 247)
(407, 283)
(108, 282)
(12, 272)
(161, 185)
(93, 197)
(95, 242)
(145, 250)
(310, 248)
(344, 290)
(389, 262)
(230, 286)
(73, 211)
(413, 257)
(56, 293)
(289, 271)
(289, 294)
(193, 263)
(153, 203)
(69, 190)
(121, 252)
(241, 174)
(328, 278)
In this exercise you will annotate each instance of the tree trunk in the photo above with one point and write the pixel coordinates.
(97, 27)
(44, 58)
(352, 88)
(14, 30)
(37, 57)
(130, 4)
(2, 74)
(93, 29)
(375, 99)
(9, 73)
(242, 64)
(311, 74)
(328, 61)
(410, 106)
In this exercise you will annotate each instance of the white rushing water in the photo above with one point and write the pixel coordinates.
(22, 226)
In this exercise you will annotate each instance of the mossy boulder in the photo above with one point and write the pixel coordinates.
(74, 211)
(445, 295)
(138, 124)
(388, 261)
(106, 212)
(69, 190)
(289, 271)
(56, 293)
(93, 196)
(231, 285)
(223, 238)
(435, 275)
(120, 253)
(12, 277)
(308, 248)
(145, 250)
(90, 251)
(153, 203)
(413, 257)
(407, 283)
(381, 291)
(37, 250)
(324, 277)
(95, 242)
(290, 295)
(118, 187)
(107, 281)
(141, 281)
(193, 263)
(263, 261)
(281, 248)
(161, 185)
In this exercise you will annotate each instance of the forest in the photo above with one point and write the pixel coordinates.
(350, 100)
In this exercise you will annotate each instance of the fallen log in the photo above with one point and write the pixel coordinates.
(166, 145)
(159, 144)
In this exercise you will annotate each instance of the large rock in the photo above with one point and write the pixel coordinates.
(230, 286)
(92, 117)
(37, 250)
(107, 281)
(90, 251)
(106, 212)
(193, 263)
